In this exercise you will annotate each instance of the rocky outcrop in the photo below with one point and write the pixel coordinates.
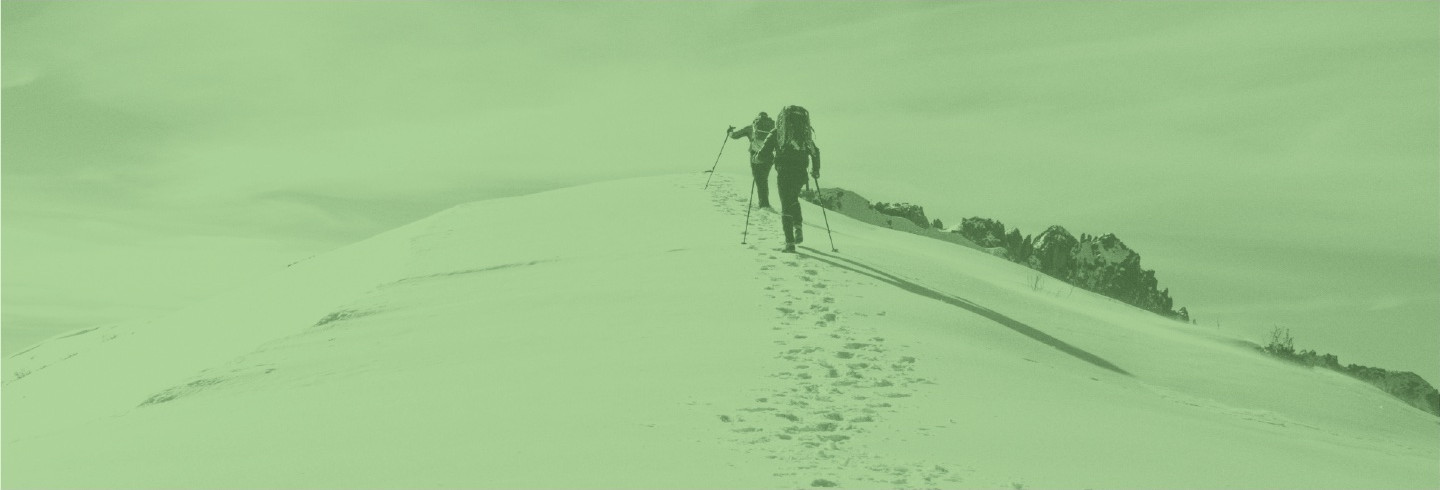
(984, 232)
(1055, 253)
(857, 207)
(911, 212)
(1105, 265)
(1101, 264)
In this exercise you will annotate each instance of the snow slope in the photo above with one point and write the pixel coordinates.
(619, 334)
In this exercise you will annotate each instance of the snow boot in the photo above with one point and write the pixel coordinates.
(789, 248)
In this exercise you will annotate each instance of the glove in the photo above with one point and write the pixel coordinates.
(815, 173)
(731, 130)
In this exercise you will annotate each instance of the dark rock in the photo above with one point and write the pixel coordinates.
(1055, 253)
(912, 212)
(984, 232)
(859, 208)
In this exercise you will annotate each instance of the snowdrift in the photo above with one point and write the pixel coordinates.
(620, 335)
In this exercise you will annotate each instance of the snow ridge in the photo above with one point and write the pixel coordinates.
(641, 345)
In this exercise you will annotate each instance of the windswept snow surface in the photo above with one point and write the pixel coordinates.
(619, 334)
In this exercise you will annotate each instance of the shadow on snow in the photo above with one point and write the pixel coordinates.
(1014, 324)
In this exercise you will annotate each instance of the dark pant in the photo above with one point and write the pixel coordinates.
(761, 173)
(789, 180)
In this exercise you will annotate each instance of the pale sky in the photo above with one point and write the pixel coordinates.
(1277, 163)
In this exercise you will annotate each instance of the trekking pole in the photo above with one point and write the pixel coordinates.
(823, 214)
(717, 156)
(746, 234)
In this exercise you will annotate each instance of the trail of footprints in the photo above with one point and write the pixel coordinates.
(837, 378)
(724, 199)
(840, 378)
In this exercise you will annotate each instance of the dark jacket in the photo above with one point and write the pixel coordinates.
(791, 157)
(757, 132)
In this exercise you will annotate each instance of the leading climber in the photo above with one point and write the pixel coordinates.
(760, 161)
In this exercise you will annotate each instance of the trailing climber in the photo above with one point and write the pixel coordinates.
(792, 148)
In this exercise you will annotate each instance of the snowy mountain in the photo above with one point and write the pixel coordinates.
(641, 344)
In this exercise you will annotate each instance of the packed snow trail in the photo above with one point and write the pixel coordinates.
(836, 380)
